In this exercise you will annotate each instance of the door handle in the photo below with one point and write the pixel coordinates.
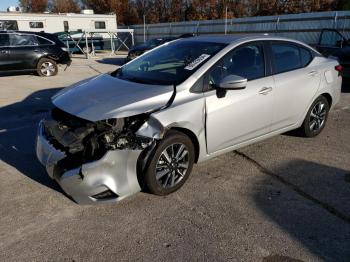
(265, 90)
(313, 73)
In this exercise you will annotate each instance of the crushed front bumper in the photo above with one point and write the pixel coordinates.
(111, 178)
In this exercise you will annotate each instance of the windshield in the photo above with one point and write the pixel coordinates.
(170, 64)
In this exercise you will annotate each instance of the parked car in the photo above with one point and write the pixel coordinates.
(32, 52)
(75, 44)
(333, 43)
(187, 101)
(138, 50)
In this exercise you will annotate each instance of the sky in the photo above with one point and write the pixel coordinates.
(4, 4)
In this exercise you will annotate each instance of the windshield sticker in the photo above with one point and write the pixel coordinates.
(196, 62)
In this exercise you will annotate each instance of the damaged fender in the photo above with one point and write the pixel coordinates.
(152, 129)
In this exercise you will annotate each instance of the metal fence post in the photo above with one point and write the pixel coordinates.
(226, 21)
(144, 28)
(277, 24)
(335, 19)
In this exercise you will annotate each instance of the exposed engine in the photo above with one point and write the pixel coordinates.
(84, 141)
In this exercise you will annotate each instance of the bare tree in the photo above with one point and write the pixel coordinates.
(65, 6)
(39, 6)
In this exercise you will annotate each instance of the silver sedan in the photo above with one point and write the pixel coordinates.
(143, 126)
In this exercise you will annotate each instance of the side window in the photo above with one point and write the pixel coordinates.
(22, 40)
(330, 38)
(286, 57)
(43, 41)
(4, 40)
(66, 26)
(100, 25)
(36, 24)
(246, 61)
(305, 56)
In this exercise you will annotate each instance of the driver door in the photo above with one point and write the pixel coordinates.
(237, 116)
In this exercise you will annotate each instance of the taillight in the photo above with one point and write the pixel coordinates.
(338, 68)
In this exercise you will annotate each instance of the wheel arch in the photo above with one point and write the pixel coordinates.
(191, 136)
(329, 98)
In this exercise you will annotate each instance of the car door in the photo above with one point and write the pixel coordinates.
(296, 82)
(236, 116)
(4, 52)
(24, 51)
(330, 42)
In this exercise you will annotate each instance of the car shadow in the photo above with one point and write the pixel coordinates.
(18, 126)
(118, 61)
(309, 201)
(17, 73)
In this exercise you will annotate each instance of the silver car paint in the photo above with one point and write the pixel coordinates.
(114, 171)
(47, 154)
(200, 114)
(107, 97)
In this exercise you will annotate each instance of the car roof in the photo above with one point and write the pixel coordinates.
(24, 32)
(228, 39)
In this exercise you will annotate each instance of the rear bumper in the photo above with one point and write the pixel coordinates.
(115, 172)
(65, 59)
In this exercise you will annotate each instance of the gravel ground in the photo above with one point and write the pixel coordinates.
(284, 199)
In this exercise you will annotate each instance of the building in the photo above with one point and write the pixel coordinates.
(52, 23)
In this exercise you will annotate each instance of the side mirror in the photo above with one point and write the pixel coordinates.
(232, 82)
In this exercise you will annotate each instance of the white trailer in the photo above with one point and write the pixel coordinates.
(52, 23)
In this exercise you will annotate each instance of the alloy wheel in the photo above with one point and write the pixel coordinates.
(48, 69)
(172, 165)
(318, 116)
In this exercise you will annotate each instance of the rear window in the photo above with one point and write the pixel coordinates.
(287, 57)
(305, 56)
(43, 41)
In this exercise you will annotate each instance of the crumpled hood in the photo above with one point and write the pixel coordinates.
(105, 97)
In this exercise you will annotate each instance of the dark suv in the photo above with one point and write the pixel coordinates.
(29, 51)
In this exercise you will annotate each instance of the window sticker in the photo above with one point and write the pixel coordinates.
(197, 61)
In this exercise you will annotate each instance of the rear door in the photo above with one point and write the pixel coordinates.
(4, 52)
(24, 51)
(296, 82)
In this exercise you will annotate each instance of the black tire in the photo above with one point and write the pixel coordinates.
(160, 187)
(46, 67)
(312, 126)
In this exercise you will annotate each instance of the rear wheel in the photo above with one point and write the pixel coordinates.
(171, 164)
(316, 118)
(47, 67)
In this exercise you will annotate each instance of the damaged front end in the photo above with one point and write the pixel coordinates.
(96, 161)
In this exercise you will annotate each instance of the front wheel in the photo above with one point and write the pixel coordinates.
(316, 118)
(171, 164)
